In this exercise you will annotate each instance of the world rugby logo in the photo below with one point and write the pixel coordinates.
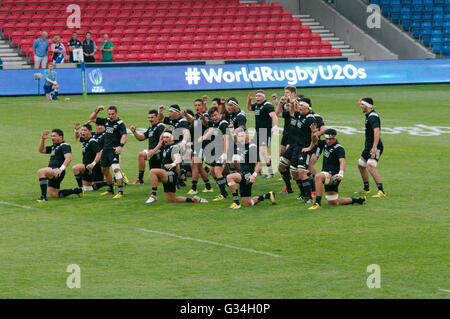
(96, 77)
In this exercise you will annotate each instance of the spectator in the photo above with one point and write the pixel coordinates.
(40, 49)
(89, 48)
(73, 44)
(107, 49)
(1, 64)
(58, 50)
(50, 84)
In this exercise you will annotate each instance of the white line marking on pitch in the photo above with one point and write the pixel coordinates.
(444, 290)
(210, 242)
(12, 204)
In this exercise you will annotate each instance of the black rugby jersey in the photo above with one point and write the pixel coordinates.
(57, 152)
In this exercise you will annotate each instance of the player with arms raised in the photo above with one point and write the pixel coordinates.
(115, 139)
(332, 172)
(60, 158)
(171, 158)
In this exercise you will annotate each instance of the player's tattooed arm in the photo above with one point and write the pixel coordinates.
(187, 116)
(77, 127)
(137, 135)
(42, 141)
(250, 97)
(314, 134)
(94, 114)
(157, 147)
(160, 113)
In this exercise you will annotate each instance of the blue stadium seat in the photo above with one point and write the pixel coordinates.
(426, 39)
(427, 24)
(439, 1)
(376, 2)
(446, 49)
(438, 17)
(436, 33)
(446, 39)
(438, 24)
(437, 48)
(416, 16)
(447, 17)
(416, 25)
(446, 31)
(427, 16)
(406, 24)
(395, 17)
(416, 32)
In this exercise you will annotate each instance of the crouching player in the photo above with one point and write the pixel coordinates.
(89, 174)
(171, 157)
(60, 157)
(247, 175)
(332, 172)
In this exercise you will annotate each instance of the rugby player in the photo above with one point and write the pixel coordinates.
(167, 175)
(198, 123)
(88, 174)
(332, 172)
(238, 120)
(265, 116)
(247, 175)
(299, 153)
(218, 145)
(115, 139)
(60, 158)
(180, 130)
(281, 110)
(316, 151)
(373, 148)
(153, 134)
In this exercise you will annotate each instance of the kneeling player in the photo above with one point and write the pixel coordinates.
(153, 135)
(247, 175)
(89, 174)
(171, 157)
(332, 172)
(60, 157)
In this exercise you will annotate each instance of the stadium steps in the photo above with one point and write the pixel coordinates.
(11, 57)
(327, 35)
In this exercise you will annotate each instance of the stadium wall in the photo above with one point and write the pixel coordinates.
(388, 34)
(232, 76)
(346, 30)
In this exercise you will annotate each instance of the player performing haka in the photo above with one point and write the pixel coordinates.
(216, 152)
(198, 126)
(247, 175)
(89, 174)
(167, 175)
(264, 118)
(332, 172)
(115, 139)
(60, 157)
(373, 148)
(153, 134)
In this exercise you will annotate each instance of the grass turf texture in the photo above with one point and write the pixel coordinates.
(324, 253)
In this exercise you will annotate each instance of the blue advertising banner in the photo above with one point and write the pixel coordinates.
(22, 82)
(232, 76)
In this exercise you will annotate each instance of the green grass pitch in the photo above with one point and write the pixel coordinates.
(322, 254)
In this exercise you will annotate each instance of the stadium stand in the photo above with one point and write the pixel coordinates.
(427, 20)
(163, 30)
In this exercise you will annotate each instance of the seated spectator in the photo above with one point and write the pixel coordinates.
(89, 48)
(40, 49)
(107, 49)
(73, 44)
(1, 64)
(58, 50)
